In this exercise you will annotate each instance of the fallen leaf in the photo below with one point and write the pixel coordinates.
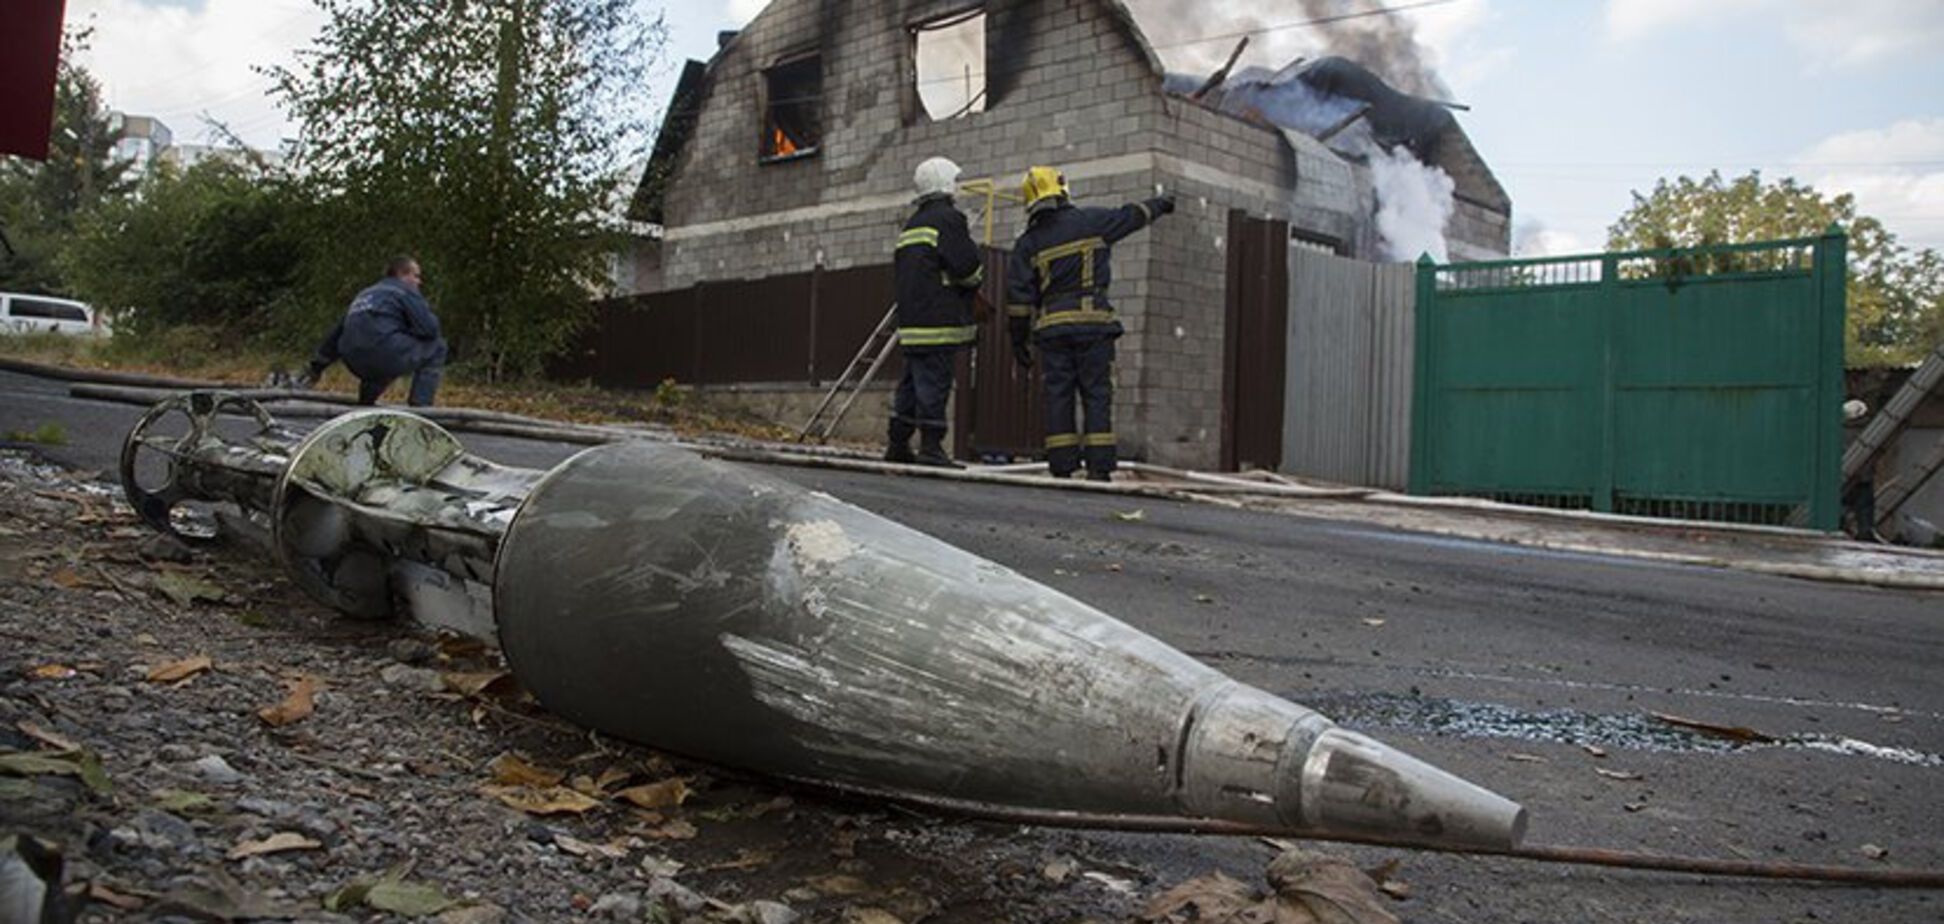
(582, 848)
(110, 897)
(1114, 566)
(672, 830)
(1059, 870)
(1616, 774)
(181, 802)
(1873, 851)
(509, 770)
(870, 916)
(185, 589)
(411, 899)
(656, 865)
(746, 858)
(1732, 732)
(1130, 516)
(46, 737)
(1594, 750)
(276, 843)
(475, 683)
(1634, 806)
(1204, 598)
(51, 672)
(1395, 889)
(1373, 622)
(180, 670)
(838, 884)
(83, 765)
(67, 577)
(1111, 883)
(1326, 888)
(300, 702)
(1214, 897)
(667, 793)
(552, 800)
(1526, 758)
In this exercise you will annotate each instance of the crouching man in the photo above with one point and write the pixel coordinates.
(388, 332)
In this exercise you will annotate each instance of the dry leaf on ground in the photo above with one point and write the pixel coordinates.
(83, 765)
(300, 703)
(667, 793)
(475, 683)
(581, 848)
(1131, 516)
(1616, 774)
(42, 735)
(1526, 758)
(552, 800)
(275, 843)
(838, 884)
(1316, 887)
(870, 916)
(110, 897)
(1732, 732)
(184, 589)
(180, 670)
(672, 830)
(51, 672)
(509, 770)
(1214, 897)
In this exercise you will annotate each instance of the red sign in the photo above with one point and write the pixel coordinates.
(30, 53)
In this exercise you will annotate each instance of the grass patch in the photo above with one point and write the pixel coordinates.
(52, 433)
(207, 353)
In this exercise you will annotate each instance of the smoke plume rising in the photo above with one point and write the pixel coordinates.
(1386, 44)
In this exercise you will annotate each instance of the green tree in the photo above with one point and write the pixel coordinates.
(481, 136)
(1895, 294)
(40, 202)
(219, 245)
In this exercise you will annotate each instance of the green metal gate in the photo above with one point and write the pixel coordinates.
(1700, 384)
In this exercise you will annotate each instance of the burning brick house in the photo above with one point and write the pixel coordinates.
(783, 170)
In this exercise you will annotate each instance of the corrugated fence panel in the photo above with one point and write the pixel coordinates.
(1347, 403)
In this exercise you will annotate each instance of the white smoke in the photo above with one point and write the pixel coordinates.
(1413, 204)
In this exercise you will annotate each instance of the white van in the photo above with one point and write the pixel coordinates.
(44, 314)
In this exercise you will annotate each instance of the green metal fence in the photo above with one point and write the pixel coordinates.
(1699, 384)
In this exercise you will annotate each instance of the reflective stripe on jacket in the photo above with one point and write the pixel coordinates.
(937, 269)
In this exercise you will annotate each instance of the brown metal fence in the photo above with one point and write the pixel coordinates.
(798, 327)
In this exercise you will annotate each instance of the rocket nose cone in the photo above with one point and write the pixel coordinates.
(1353, 785)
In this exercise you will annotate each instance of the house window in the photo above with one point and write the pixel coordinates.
(951, 64)
(792, 120)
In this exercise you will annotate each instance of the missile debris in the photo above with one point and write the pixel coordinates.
(717, 611)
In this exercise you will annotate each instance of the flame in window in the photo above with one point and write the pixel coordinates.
(781, 145)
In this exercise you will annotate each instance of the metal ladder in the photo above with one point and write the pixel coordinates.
(870, 358)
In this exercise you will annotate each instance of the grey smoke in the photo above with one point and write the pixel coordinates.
(1385, 44)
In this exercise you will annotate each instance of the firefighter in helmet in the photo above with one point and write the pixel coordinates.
(938, 270)
(1056, 296)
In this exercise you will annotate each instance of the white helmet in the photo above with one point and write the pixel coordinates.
(936, 177)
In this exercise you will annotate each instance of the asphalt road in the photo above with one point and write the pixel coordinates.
(1513, 667)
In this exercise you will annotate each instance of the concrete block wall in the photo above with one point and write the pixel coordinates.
(1082, 86)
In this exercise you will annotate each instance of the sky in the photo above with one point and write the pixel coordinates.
(1575, 104)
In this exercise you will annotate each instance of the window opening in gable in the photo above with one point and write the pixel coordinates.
(951, 64)
(792, 113)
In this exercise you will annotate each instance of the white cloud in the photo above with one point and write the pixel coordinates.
(1829, 32)
(743, 11)
(1534, 239)
(1855, 32)
(1627, 20)
(1895, 172)
(177, 62)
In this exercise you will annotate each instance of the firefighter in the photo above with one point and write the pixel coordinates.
(938, 271)
(1056, 295)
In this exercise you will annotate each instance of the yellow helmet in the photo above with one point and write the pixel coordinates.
(1040, 184)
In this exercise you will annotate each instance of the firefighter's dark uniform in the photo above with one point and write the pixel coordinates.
(1056, 294)
(938, 269)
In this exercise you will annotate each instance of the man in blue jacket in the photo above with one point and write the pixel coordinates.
(1056, 294)
(388, 332)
